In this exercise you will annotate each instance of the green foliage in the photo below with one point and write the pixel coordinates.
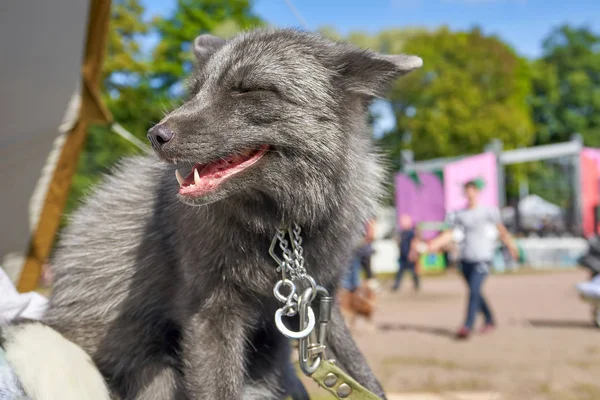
(471, 89)
(390, 41)
(172, 57)
(567, 87)
(123, 55)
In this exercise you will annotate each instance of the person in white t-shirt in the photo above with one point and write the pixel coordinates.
(478, 227)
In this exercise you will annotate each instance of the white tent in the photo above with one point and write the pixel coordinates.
(533, 206)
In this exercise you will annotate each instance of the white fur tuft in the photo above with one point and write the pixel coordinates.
(49, 366)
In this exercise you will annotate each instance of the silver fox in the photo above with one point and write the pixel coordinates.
(164, 275)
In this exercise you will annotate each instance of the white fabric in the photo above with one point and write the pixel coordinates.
(591, 288)
(49, 367)
(13, 304)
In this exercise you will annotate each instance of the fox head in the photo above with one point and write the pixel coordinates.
(277, 119)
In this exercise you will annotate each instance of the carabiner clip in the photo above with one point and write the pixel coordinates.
(310, 350)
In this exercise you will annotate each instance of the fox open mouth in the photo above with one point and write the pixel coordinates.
(206, 177)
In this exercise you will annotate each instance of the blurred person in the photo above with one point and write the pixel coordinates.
(408, 255)
(361, 260)
(365, 252)
(351, 279)
(475, 226)
(358, 298)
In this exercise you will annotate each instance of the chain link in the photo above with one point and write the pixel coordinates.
(302, 291)
(291, 267)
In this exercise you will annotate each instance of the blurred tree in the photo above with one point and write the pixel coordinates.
(471, 89)
(330, 32)
(388, 41)
(567, 87)
(172, 58)
(123, 54)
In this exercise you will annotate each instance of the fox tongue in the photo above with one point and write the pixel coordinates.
(238, 158)
(210, 174)
(210, 170)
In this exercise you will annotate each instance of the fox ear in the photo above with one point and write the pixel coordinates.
(371, 74)
(205, 46)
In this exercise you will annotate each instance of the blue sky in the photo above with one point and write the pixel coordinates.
(521, 23)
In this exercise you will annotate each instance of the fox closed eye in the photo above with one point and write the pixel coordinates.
(242, 90)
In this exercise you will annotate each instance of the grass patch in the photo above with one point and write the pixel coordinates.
(389, 276)
(537, 271)
(422, 362)
(585, 365)
(545, 388)
(469, 384)
(585, 391)
(427, 362)
(577, 391)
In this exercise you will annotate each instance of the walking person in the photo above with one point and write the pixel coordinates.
(478, 226)
(356, 298)
(408, 255)
(365, 251)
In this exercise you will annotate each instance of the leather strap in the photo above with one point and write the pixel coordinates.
(331, 378)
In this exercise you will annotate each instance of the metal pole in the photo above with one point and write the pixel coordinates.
(576, 185)
(496, 146)
(407, 158)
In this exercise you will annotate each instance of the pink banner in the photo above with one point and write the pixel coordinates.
(593, 154)
(590, 184)
(458, 173)
(421, 198)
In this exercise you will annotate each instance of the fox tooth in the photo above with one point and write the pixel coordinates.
(179, 178)
(196, 177)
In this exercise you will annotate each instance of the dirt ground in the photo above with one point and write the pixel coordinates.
(545, 347)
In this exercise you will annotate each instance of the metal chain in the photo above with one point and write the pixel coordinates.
(286, 265)
(298, 251)
(291, 267)
(295, 276)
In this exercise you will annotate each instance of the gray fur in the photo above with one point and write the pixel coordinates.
(173, 297)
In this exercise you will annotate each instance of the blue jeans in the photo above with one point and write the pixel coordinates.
(351, 279)
(475, 274)
(406, 265)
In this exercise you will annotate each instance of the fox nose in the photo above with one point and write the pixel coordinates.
(160, 135)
